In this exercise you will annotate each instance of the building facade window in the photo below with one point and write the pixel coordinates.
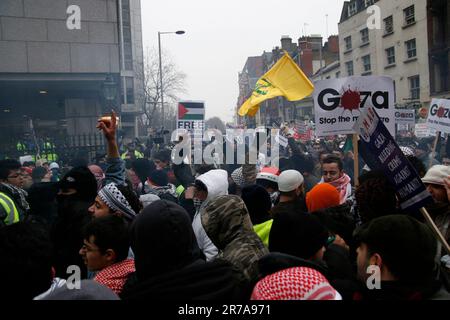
(128, 90)
(368, 3)
(414, 87)
(388, 25)
(411, 48)
(348, 43)
(349, 67)
(129, 82)
(352, 8)
(127, 40)
(366, 63)
(409, 15)
(338, 74)
(390, 55)
(364, 36)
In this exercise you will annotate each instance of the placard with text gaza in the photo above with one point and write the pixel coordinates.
(339, 102)
(439, 115)
(404, 116)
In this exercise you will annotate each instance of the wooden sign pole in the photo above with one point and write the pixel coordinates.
(435, 229)
(438, 134)
(355, 160)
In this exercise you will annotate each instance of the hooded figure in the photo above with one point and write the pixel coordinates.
(216, 183)
(167, 260)
(298, 234)
(78, 189)
(258, 203)
(228, 225)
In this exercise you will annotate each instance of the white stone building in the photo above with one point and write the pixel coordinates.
(399, 48)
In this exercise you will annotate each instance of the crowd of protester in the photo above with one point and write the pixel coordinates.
(140, 227)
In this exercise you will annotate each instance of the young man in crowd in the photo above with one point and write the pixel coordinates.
(105, 251)
(116, 197)
(400, 251)
(208, 187)
(434, 180)
(13, 204)
(290, 185)
(158, 184)
(333, 173)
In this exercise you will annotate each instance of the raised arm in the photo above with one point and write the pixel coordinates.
(116, 169)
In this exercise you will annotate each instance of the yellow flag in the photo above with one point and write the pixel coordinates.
(285, 79)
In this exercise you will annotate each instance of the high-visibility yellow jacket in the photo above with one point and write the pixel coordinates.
(48, 154)
(9, 209)
(20, 146)
(137, 155)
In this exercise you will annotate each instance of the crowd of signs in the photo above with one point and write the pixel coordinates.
(363, 106)
(338, 103)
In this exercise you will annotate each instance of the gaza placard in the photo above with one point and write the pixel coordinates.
(339, 102)
(439, 115)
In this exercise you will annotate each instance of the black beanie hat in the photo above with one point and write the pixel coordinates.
(407, 246)
(159, 178)
(162, 239)
(38, 173)
(297, 234)
(257, 201)
(82, 180)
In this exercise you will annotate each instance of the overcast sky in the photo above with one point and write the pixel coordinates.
(220, 35)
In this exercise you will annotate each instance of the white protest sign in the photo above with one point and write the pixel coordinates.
(25, 159)
(339, 102)
(439, 115)
(402, 127)
(421, 130)
(405, 116)
(283, 141)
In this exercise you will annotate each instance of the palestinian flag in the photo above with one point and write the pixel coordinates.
(191, 111)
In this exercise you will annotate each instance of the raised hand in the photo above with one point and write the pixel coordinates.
(109, 126)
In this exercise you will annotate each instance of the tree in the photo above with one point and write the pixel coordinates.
(215, 123)
(173, 85)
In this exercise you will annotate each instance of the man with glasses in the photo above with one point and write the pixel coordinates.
(13, 203)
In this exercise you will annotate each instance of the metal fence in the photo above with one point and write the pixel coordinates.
(66, 148)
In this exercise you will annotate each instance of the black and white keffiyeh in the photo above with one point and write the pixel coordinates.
(116, 201)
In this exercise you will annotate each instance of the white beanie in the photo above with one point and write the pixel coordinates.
(436, 175)
(289, 180)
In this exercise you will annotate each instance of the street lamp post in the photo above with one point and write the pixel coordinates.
(160, 70)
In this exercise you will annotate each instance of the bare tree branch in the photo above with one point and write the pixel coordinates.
(173, 85)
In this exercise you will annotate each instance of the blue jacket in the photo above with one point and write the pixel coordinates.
(115, 172)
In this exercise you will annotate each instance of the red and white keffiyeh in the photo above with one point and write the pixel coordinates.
(298, 283)
(115, 276)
